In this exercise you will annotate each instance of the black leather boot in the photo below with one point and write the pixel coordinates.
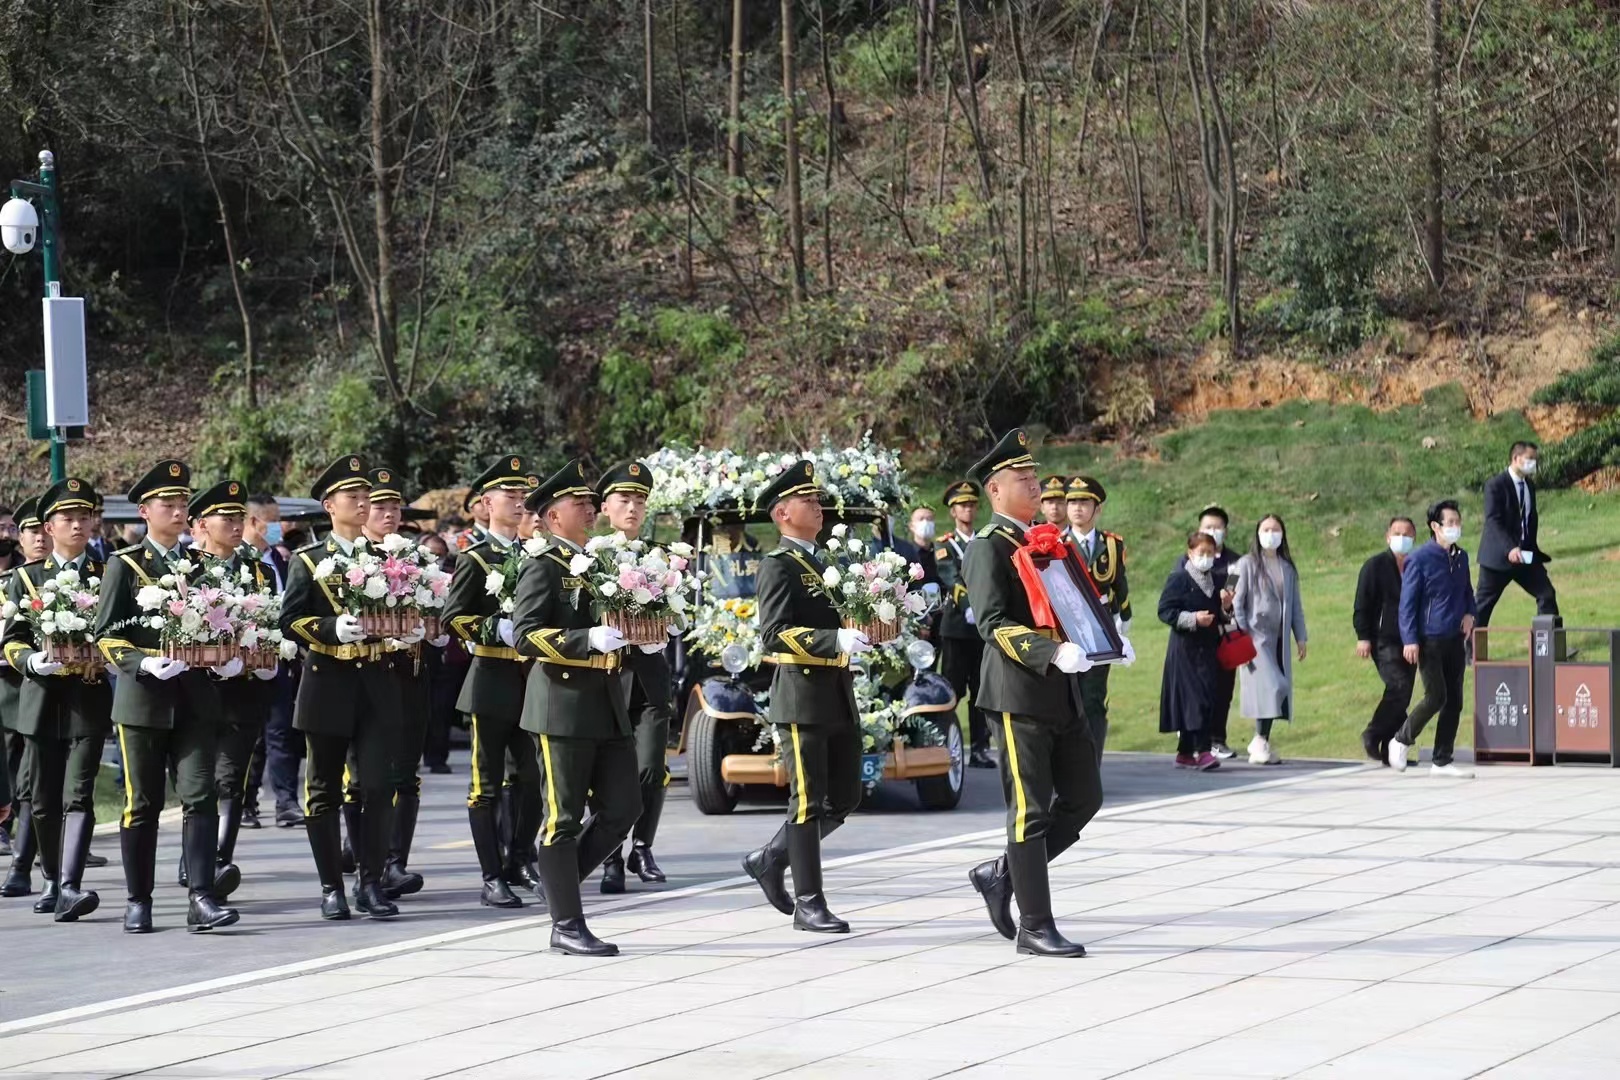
(486, 846)
(1039, 936)
(227, 875)
(642, 864)
(396, 880)
(72, 903)
(351, 837)
(613, 873)
(1037, 933)
(994, 882)
(138, 845)
(48, 836)
(325, 844)
(559, 871)
(181, 877)
(768, 866)
(573, 938)
(370, 901)
(201, 842)
(526, 875)
(24, 850)
(809, 905)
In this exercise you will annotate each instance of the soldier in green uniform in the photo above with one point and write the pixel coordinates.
(492, 693)
(623, 490)
(166, 714)
(575, 703)
(32, 545)
(1048, 763)
(349, 694)
(217, 517)
(812, 702)
(64, 712)
(1104, 553)
(1054, 500)
(961, 653)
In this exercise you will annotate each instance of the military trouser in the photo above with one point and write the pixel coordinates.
(16, 766)
(189, 748)
(571, 849)
(959, 662)
(824, 772)
(1050, 778)
(237, 744)
(63, 775)
(402, 775)
(1094, 700)
(375, 744)
(500, 748)
(652, 771)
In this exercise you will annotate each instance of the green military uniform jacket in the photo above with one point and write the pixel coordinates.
(798, 627)
(572, 692)
(59, 706)
(949, 553)
(246, 699)
(11, 679)
(497, 675)
(335, 674)
(1017, 675)
(126, 639)
(1107, 567)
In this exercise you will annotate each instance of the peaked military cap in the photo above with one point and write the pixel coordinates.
(631, 477)
(512, 471)
(1054, 487)
(1010, 452)
(565, 483)
(385, 484)
(70, 494)
(27, 516)
(225, 497)
(797, 479)
(963, 491)
(163, 480)
(348, 471)
(1086, 487)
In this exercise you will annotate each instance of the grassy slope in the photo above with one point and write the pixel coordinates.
(1336, 474)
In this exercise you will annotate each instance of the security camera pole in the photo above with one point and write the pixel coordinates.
(44, 192)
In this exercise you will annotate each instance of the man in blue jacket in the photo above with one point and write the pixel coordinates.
(1437, 617)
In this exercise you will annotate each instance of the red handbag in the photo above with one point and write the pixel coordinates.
(1235, 650)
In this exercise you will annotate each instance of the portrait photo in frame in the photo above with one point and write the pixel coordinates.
(1081, 615)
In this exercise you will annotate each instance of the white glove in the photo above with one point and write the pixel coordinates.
(162, 670)
(1122, 625)
(348, 629)
(606, 639)
(656, 647)
(968, 615)
(672, 630)
(265, 673)
(853, 642)
(439, 642)
(41, 666)
(506, 633)
(230, 669)
(1130, 653)
(418, 632)
(1071, 659)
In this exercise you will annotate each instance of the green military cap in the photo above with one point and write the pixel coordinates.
(225, 497)
(797, 479)
(70, 494)
(1086, 487)
(348, 471)
(1054, 487)
(163, 480)
(963, 491)
(385, 485)
(631, 477)
(565, 483)
(513, 471)
(1010, 452)
(27, 515)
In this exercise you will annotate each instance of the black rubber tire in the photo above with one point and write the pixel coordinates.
(705, 746)
(945, 792)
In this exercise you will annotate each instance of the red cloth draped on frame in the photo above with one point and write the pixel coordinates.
(1044, 542)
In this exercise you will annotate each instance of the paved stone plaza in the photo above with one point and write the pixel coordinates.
(1348, 923)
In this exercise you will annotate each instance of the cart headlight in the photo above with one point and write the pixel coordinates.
(734, 658)
(920, 654)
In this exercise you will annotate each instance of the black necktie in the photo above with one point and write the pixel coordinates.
(1524, 512)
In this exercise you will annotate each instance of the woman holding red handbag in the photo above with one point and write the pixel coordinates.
(1193, 606)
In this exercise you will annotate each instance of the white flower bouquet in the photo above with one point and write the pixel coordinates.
(872, 595)
(198, 622)
(61, 616)
(389, 588)
(638, 588)
(501, 582)
(862, 475)
(715, 624)
(259, 620)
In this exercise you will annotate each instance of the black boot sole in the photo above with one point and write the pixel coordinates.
(14, 891)
(612, 888)
(86, 904)
(217, 924)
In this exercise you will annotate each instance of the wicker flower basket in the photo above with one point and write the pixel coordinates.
(199, 656)
(431, 627)
(69, 652)
(638, 629)
(260, 659)
(876, 632)
(388, 624)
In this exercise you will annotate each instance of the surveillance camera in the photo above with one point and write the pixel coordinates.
(19, 226)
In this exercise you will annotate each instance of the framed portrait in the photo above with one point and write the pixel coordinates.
(1081, 616)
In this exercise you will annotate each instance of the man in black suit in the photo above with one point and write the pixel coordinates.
(1508, 551)
(280, 749)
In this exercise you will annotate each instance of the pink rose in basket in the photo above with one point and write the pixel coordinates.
(252, 603)
(440, 585)
(355, 576)
(632, 579)
(916, 572)
(177, 608)
(83, 600)
(677, 563)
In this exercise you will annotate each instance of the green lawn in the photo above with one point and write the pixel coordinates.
(1335, 474)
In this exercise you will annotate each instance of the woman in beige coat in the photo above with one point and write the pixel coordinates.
(1267, 605)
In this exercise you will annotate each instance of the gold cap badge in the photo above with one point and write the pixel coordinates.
(174, 470)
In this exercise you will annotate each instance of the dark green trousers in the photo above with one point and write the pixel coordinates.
(824, 772)
(190, 749)
(65, 772)
(1050, 779)
(327, 770)
(236, 743)
(1094, 700)
(501, 749)
(415, 706)
(573, 769)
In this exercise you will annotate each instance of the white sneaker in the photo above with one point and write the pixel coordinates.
(1222, 751)
(1397, 755)
(1452, 770)
(1260, 753)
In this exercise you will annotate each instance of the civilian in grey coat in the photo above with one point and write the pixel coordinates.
(1267, 605)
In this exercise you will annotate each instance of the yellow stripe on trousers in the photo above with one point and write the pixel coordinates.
(1017, 777)
(551, 793)
(477, 767)
(798, 767)
(129, 780)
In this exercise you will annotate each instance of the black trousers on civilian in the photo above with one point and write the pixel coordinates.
(283, 749)
(1441, 663)
(1532, 579)
(1225, 687)
(1398, 677)
(959, 662)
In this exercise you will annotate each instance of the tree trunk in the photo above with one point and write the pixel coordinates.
(927, 22)
(1434, 226)
(1138, 201)
(648, 66)
(1228, 200)
(1207, 151)
(734, 145)
(790, 124)
(1015, 30)
(384, 311)
(832, 145)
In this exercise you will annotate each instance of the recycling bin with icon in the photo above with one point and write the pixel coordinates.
(1547, 696)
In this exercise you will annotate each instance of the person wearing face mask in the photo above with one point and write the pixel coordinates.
(923, 531)
(1437, 617)
(1377, 620)
(1213, 522)
(1266, 604)
(1192, 606)
(1508, 551)
(280, 749)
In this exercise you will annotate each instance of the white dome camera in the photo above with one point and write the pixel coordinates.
(19, 226)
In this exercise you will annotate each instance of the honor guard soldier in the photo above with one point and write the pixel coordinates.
(167, 714)
(1104, 554)
(492, 693)
(1054, 500)
(812, 702)
(575, 703)
(217, 517)
(1048, 763)
(961, 652)
(29, 544)
(349, 694)
(63, 711)
(624, 490)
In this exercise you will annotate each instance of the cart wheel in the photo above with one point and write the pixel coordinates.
(944, 792)
(705, 746)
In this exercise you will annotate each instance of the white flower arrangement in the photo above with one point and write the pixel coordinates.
(636, 578)
(63, 612)
(501, 581)
(878, 589)
(700, 481)
(716, 624)
(401, 576)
